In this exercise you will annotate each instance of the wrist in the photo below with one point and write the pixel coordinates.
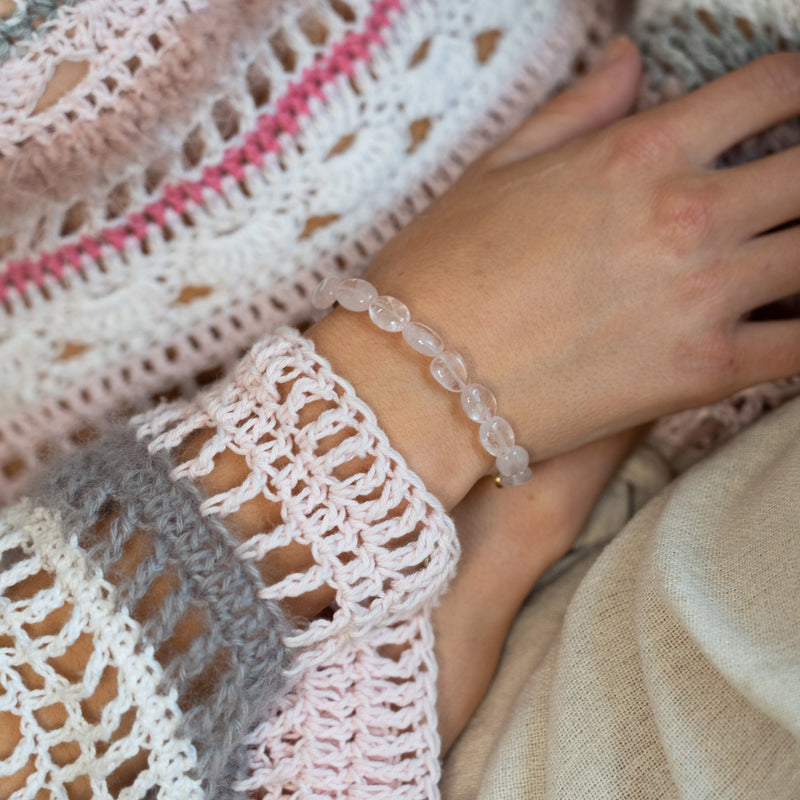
(423, 423)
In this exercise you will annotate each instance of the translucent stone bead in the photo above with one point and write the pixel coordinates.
(496, 436)
(517, 478)
(478, 402)
(450, 370)
(324, 296)
(423, 339)
(513, 461)
(389, 314)
(355, 294)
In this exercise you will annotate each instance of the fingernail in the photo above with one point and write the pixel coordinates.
(613, 51)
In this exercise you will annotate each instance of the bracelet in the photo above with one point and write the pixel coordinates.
(447, 367)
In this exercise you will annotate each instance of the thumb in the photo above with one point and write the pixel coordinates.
(599, 98)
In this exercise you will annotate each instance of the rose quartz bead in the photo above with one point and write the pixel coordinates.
(355, 294)
(478, 402)
(450, 370)
(496, 436)
(423, 339)
(324, 296)
(389, 314)
(517, 478)
(513, 461)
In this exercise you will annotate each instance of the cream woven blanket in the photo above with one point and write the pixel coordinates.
(667, 665)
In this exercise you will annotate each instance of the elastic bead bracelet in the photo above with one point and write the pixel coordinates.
(447, 367)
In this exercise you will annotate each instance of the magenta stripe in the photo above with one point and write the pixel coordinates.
(289, 109)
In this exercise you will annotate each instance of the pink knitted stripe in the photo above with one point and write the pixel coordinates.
(268, 137)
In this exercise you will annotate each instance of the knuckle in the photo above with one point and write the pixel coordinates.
(778, 74)
(641, 144)
(684, 216)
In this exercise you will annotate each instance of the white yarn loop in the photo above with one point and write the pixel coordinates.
(365, 668)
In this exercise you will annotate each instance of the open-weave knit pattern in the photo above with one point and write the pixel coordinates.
(211, 162)
(359, 725)
(687, 44)
(103, 35)
(145, 247)
(115, 498)
(360, 717)
(44, 575)
(24, 21)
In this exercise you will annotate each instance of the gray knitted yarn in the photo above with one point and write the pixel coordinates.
(682, 50)
(24, 21)
(240, 652)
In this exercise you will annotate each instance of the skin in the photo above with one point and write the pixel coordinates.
(513, 232)
(657, 303)
(619, 259)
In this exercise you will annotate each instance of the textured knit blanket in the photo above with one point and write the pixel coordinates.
(201, 167)
(209, 162)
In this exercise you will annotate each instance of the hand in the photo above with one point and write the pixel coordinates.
(600, 283)
(508, 539)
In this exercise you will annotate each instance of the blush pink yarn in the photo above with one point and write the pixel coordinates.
(359, 716)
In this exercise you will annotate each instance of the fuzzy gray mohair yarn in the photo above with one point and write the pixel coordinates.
(685, 49)
(115, 490)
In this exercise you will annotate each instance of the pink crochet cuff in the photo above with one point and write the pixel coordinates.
(358, 717)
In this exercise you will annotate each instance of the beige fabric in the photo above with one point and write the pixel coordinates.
(669, 665)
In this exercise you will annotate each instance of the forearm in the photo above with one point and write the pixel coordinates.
(424, 422)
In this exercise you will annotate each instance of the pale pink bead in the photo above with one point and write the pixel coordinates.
(478, 402)
(355, 294)
(517, 478)
(512, 461)
(389, 313)
(496, 436)
(423, 339)
(324, 296)
(450, 370)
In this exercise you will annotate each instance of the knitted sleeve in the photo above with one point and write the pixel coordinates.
(216, 691)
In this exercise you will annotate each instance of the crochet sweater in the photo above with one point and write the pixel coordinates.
(209, 164)
(118, 542)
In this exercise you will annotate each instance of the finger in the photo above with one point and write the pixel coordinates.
(593, 102)
(768, 270)
(768, 350)
(763, 194)
(715, 117)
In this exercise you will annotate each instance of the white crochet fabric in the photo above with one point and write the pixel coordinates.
(149, 237)
(359, 719)
(112, 40)
(45, 577)
(152, 248)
